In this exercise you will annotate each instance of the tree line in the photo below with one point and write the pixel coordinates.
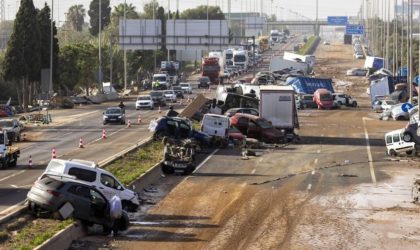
(75, 48)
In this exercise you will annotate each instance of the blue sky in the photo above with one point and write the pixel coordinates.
(282, 8)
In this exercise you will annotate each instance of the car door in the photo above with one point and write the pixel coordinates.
(98, 205)
(79, 197)
(253, 130)
(242, 125)
(109, 186)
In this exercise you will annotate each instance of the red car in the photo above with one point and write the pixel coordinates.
(257, 128)
(235, 135)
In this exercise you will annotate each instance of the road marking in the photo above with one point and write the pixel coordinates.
(12, 175)
(318, 151)
(205, 160)
(313, 172)
(253, 171)
(309, 187)
(388, 185)
(14, 186)
(322, 135)
(372, 170)
(316, 161)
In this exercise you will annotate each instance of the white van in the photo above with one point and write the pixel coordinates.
(395, 145)
(216, 126)
(90, 173)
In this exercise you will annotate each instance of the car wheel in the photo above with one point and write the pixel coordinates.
(409, 152)
(167, 169)
(354, 104)
(407, 137)
(158, 135)
(152, 108)
(393, 153)
(400, 118)
(104, 123)
(86, 223)
(339, 103)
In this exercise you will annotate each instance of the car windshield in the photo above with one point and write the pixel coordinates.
(156, 93)
(326, 97)
(176, 88)
(239, 58)
(159, 78)
(308, 98)
(113, 111)
(204, 79)
(143, 98)
(263, 123)
(6, 124)
(184, 85)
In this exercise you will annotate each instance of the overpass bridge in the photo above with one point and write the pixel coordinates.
(316, 24)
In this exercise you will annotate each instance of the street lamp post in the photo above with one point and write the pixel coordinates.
(125, 50)
(50, 88)
(100, 44)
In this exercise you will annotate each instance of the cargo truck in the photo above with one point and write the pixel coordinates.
(8, 153)
(277, 63)
(308, 85)
(211, 68)
(372, 62)
(277, 105)
(240, 58)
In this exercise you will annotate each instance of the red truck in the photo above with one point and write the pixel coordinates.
(211, 68)
(324, 99)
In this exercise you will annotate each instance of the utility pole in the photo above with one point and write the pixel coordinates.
(100, 51)
(2, 11)
(316, 25)
(154, 51)
(50, 87)
(388, 19)
(169, 17)
(125, 50)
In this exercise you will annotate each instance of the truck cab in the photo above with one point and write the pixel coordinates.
(163, 80)
(324, 99)
(8, 153)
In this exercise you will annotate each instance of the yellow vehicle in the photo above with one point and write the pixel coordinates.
(263, 43)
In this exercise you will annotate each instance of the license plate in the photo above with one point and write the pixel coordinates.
(177, 165)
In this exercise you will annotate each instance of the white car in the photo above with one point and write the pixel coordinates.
(144, 101)
(93, 175)
(395, 144)
(13, 128)
(170, 95)
(216, 125)
(398, 114)
(359, 55)
(342, 99)
(356, 72)
(186, 87)
(387, 104)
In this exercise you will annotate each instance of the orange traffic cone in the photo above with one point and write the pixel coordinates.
(128, 124)
(30, 161)
(81, 143)
(103, 134)
(139, 119)
(54, 153)
(160, 110)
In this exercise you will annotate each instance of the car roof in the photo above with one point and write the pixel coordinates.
(113, 108)
(249, 116)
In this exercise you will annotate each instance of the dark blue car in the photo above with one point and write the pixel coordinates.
(178, 128)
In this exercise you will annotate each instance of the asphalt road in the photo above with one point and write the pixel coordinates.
(335, 189)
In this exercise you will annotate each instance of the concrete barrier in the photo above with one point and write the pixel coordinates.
(63, 238)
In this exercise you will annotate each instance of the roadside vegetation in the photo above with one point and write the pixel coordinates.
(308, 48)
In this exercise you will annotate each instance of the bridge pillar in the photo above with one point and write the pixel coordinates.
(316, 29)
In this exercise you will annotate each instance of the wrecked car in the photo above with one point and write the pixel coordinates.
(68, 197)
(179, 156)
(177, 128)
(258, 128)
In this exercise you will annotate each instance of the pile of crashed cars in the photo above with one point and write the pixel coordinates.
(82, 190)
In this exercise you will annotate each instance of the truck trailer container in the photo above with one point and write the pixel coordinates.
(308, 85)
(277, 105)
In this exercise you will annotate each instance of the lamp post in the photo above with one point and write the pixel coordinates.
(100, 44)
(125, 50)
(50, 88)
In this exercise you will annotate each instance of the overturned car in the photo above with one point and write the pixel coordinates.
(179, 156)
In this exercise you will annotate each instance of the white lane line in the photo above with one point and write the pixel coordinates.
(14, 186)
(205, 160)
(318, 151)
(313, 172)
(316, 161)
(309, 187)
(253, 171)
(12, 208)
(372, 170)
(12, 175)
(322, 135)
(388, 185)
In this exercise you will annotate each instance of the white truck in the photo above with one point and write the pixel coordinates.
(309, 59)
(240, 58)
(228, 56)
(8, 153)
(277, 104)
(278, 63)
(163, 79)
(275, 36)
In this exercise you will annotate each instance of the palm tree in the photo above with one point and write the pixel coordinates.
(76, 17)
(118, 12)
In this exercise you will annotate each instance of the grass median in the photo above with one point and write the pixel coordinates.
(308, 45)
(27, 232)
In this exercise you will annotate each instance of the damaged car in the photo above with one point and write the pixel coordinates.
(258, 128)
(179, 156)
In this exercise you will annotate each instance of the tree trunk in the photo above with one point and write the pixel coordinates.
(19, 93)
(24, 93)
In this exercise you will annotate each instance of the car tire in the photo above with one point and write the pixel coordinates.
(407, 137)
(339, 103)
(400, 118)
(393, 153)
(167, 169)
(410, 152)
(158, 135)
(354, 104)
(86, 223)
(104, 123)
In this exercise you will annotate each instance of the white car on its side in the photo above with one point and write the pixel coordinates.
(170, 95)
(144, 101)
(186, 87)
